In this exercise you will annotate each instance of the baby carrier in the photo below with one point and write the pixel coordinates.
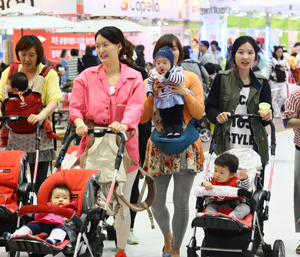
(14, 190)
(225, 235)
(80, 231)
(32, 103)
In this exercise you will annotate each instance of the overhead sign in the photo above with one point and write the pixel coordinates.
(169, 9)
(54, 6)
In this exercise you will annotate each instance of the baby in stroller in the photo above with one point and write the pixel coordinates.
(49, 223)
(226, 166)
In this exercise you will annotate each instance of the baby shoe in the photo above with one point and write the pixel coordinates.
(7, 235)
(52, 241)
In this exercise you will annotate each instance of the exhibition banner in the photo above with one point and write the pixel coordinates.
(53, 43)
(54, 6)
(169, 9)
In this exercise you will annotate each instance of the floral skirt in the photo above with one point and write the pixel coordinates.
(157, 163)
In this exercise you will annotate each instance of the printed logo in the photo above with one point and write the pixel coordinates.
(124, 5)
(23, 104)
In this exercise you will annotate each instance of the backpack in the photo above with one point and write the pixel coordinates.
(192, 61)
(32, 104)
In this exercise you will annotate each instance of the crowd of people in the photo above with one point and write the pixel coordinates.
(113, 86)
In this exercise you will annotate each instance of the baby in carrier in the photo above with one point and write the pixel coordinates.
(169, 103)
(226, 166)
(49, 223)
(21, 101)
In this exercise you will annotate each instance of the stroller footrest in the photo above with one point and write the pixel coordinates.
(217, 222)
(28, 243)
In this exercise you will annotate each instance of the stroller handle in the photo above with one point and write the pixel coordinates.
(244, 117)
(97, 133)
(13, 118)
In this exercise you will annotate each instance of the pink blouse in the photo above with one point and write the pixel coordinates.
(91, 99)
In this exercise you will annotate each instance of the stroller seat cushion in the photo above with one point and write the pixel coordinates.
(9, 208)
(245, 223)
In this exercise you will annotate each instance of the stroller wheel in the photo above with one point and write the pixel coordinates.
(12, 254)
(278, 249)
(205, 135)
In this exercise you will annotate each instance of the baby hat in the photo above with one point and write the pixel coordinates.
(167, 53)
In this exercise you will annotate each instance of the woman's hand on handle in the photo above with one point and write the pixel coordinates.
(268, 116)
(81, 128)
(223, 117)
(32, 119)
(117, 127)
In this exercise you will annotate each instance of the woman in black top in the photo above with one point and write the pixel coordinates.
(89, 59)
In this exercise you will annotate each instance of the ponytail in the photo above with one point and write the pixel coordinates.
(126, 53)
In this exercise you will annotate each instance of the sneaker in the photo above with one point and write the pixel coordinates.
(132, 239)
(121, 255)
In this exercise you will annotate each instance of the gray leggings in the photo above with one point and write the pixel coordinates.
(297, 190)
(183, 182)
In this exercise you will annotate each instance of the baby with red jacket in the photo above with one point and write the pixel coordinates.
(49, 223)
(226, 166)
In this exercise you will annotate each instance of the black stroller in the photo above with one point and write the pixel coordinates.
(86, 230)
(226, 236)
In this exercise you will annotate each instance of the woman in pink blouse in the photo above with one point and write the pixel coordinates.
(112, 95)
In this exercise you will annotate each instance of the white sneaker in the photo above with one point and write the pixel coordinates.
(132, 239)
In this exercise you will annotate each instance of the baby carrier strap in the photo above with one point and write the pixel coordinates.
(13, 68)
(46, 70)
(127, 161)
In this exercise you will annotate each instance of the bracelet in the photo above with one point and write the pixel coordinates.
(43, 114)
(82, 124)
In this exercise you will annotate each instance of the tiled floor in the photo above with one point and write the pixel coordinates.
(279, 226)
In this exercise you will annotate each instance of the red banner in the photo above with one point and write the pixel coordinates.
(54, 43)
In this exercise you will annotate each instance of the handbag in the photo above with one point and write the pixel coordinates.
(176, 145)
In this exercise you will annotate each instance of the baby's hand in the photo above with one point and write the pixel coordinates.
(243, 174)
(208, 185)
(66, 220)
(150, 96)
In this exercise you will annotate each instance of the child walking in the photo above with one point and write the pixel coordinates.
(18, 98)
(226, 166)
(50, 223)
(169, 103)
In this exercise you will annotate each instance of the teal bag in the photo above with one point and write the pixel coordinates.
(262, 61)
(176, 145)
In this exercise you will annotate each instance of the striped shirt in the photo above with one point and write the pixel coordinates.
(176, 76)
(73, 67)
(292, 110)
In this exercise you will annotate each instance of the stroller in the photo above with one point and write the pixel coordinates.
(14, 190)
(227, 236)
(84, 187)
